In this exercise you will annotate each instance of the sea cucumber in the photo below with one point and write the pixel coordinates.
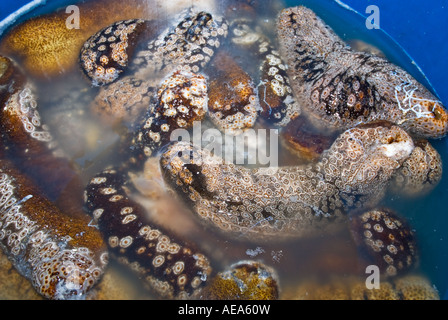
(168, 265)
(188, 46)
(303, 140)
(26, 138)
(343, 88)
(123, 101)
(275, 95)
(179, 102)
(288, 202)
(48, 45)
(62, 256)
(233, 103)
(244, 280)
(386, 240)
(420, 173)
(106, 54)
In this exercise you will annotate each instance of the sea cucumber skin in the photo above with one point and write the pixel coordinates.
(277, 102)
(26, 138)
(420, 173)
(343, 88)
(386, 240)
(178, 103)
(62, 256)
(288, 202)
(187, 46)
(233, 103)
(167, 265)
(106, 54)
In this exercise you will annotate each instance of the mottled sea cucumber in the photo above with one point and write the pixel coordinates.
(26, 138)
(106, 54)
(178, 103)
(420, 173)
(169, 266)
(385, 239)
(342, 88)
(233, 103)
(62, 256)
(244, 280)
(289, 202)
(188, 46)
(301, 138)
(275, 95)
(123, 102)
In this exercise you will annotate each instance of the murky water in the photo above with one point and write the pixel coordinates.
(64, 101)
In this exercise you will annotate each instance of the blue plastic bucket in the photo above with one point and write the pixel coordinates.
(412, 34)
